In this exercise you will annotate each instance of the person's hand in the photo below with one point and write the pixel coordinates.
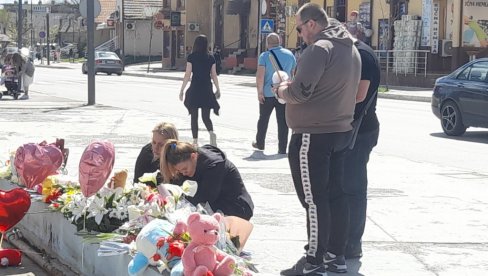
(181, 95)
(217, 94)
(261, 98)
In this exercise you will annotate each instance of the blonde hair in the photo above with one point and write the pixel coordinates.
(167, 130)
(173, 153)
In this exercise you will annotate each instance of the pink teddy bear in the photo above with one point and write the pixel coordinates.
(201, 257)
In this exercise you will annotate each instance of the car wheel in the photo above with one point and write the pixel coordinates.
(83, 69)
(119, 74)
(451, 119)
(109, 74)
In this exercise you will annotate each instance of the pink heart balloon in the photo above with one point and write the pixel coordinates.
(96, 164)
(35, 162)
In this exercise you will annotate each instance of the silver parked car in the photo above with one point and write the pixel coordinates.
(105, 62)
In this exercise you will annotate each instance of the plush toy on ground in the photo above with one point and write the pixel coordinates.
(201, 257)
(157, 245)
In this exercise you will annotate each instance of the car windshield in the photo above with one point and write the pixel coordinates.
(107, 55)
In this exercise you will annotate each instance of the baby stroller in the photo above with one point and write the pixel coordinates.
(11, 80)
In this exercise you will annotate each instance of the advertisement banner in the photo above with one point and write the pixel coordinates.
(426, 16)
(449, 20)
(434, 32)
(475, 23)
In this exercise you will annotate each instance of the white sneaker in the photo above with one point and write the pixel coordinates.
(213, 139)
(24, 97)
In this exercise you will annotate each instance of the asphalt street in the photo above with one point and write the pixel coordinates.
(427, 192)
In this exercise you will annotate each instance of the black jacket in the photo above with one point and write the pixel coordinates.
(220, 184)
(145, 164)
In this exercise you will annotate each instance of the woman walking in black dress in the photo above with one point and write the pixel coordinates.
(200, 67)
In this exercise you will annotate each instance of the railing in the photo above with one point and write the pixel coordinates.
(403, 61)
(110, 45)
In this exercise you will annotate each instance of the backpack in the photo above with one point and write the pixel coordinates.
(29, 69)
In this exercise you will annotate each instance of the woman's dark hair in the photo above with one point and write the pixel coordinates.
(200, 45)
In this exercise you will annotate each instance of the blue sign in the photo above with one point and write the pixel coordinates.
(267, 26)
(42, 34)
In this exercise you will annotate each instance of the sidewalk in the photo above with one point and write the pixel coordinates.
(155, 71)
(423, 219)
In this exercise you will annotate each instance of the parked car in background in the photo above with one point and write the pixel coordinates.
(460, 99)
(105, 62)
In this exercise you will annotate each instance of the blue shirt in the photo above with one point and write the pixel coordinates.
(287, 61)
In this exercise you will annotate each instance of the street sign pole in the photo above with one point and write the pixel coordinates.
(259, 27)
(19, 26)
(90, 18)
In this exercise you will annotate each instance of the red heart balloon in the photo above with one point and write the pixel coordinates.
(13, 206)
(35, 162)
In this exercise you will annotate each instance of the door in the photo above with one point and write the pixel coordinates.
(173, 49)
(474, 100)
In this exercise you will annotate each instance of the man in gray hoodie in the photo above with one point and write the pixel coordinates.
(320, 108)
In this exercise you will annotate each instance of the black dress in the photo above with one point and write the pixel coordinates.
(200, 93)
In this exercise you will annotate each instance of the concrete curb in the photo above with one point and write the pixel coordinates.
(416, 98)
(153, 76)
(51, 265)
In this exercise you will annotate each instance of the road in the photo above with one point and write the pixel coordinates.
(427, 192)
(408, 129)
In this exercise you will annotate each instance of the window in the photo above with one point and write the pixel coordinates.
(479, 71)
(464, 74)
(166, 3)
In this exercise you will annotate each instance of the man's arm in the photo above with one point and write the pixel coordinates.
(260, 83)
(308, 74)
(362, 90)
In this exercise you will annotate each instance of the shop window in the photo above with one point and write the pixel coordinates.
(181, 44)
(166, 47)
(180, 4)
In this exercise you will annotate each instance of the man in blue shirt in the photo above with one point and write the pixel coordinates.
(267, 101)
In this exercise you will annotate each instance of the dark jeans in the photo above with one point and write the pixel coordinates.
(317, 163)
(265, 110)
(205, 118)
(356, 185)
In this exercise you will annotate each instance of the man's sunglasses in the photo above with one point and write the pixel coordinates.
(299, 27)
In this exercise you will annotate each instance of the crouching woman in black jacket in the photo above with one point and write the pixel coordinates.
(219, 181)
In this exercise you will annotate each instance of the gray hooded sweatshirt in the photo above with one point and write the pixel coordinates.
(322, 97)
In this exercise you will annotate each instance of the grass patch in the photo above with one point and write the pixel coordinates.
(382, 89)
(77, 60)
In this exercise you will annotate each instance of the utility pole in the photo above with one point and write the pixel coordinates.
(90, 20)
(32, 30)
(47, 36)
(20, 18)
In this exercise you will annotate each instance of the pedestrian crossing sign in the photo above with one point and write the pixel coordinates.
(267, 26)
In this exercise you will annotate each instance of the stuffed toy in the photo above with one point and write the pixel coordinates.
(158, 245)
(201, 257)
(10, 257)
(118, 180)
